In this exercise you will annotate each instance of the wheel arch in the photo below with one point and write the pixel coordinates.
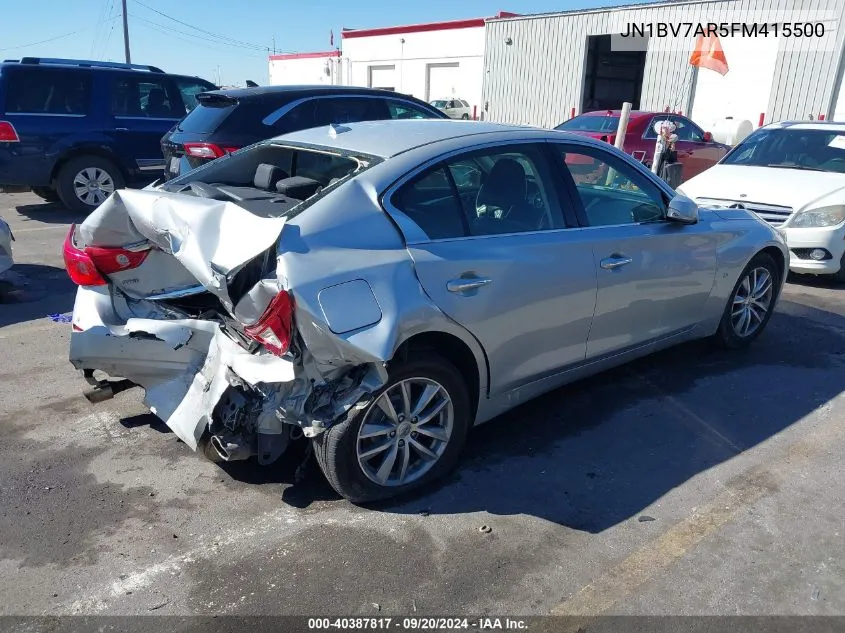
(456, 351)
(87, 150)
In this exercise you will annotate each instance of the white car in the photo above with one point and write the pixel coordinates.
(793, 176)
(453, 107)
(6, 239)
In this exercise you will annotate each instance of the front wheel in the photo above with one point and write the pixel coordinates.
(839, 277)
(409, 435)
(751, 303)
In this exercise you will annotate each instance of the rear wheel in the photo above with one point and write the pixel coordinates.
(465, 117)
(409, 435)
(85, 182)
(46, 193)
(751, 303)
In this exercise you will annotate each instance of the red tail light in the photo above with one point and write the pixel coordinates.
(208, 150)
(86, 266)
(113, 260)
(8, 134)
(79, 265)
(273, 329)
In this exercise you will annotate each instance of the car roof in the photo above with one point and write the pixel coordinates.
(635, 114)
(259, 91)
(827, 126)
(389, 138)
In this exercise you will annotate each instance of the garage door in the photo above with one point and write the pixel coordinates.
(442, 81)
(383, 77)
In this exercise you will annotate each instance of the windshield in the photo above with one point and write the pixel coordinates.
(589, 123)
(791, 148)
(440, 103)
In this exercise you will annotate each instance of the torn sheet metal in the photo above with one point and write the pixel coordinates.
(210, 238)
(191, 415)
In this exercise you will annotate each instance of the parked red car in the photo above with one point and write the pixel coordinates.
(696, 148)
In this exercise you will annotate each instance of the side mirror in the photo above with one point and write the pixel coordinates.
(682, 210)
(708, 137)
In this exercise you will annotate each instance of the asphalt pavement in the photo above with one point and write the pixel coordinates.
(696, 481)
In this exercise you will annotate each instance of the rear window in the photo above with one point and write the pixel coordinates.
(207, 117)
(48, 92)
(590, 124)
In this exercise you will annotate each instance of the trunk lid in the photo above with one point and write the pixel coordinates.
(196, 244)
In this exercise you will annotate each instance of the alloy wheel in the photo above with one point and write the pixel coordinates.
(405, 432)
(752, 301)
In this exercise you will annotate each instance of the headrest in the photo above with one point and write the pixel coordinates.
(298, 187)
(266, 176)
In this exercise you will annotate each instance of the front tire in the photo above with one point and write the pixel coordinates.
(85, 182)
(751, 303)
(839, 277)
(410, 434)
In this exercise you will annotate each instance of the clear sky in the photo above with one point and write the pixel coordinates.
(235, 36)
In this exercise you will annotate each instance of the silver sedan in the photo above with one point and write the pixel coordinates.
(382, 287)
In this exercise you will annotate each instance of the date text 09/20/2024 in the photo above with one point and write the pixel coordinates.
(417, 624)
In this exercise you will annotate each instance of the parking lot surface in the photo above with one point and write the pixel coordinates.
(696, 481)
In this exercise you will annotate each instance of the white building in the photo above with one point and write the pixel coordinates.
(430, 61)
(293, 69)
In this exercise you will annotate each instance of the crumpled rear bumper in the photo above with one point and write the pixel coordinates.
(184, 365)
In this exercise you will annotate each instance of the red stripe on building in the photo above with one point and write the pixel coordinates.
(420, 28)
(305, 55)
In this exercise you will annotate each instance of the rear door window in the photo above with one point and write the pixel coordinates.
(405, 110)
(48, 92)
(143, 97)
(350, 110)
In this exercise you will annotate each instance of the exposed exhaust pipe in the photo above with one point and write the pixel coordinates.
(106, 390)
(230, 447)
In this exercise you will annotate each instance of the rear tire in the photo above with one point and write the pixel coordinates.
(465, 117)
(753, 297)
(342, 453)
(46, 193)
(85, 182)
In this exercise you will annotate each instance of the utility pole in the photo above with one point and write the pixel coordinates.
(126, 34)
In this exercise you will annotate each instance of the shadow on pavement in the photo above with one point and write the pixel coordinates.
(34, 291)
(50, 213)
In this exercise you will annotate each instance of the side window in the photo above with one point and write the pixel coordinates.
(687, 130)
(189, 90)
(487, 192)
(301, 117)
(430, 201)
(141, 97)
(649, 132)
(48, 93)
(464, 103)
(350, 110)
(611, 191)
(403, 110)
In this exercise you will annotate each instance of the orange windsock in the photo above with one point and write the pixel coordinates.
(708, 53)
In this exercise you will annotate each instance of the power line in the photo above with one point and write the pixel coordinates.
(193, 35)
(169, 32)
(101, 16)
(196, 28)
(52, 39)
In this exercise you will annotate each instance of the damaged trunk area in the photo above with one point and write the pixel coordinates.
(179, 294)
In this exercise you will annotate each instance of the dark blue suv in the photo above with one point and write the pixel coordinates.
(76, 130)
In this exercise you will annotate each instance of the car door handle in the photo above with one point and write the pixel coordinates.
(466, 284)
(615, 261)
(121, 129)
